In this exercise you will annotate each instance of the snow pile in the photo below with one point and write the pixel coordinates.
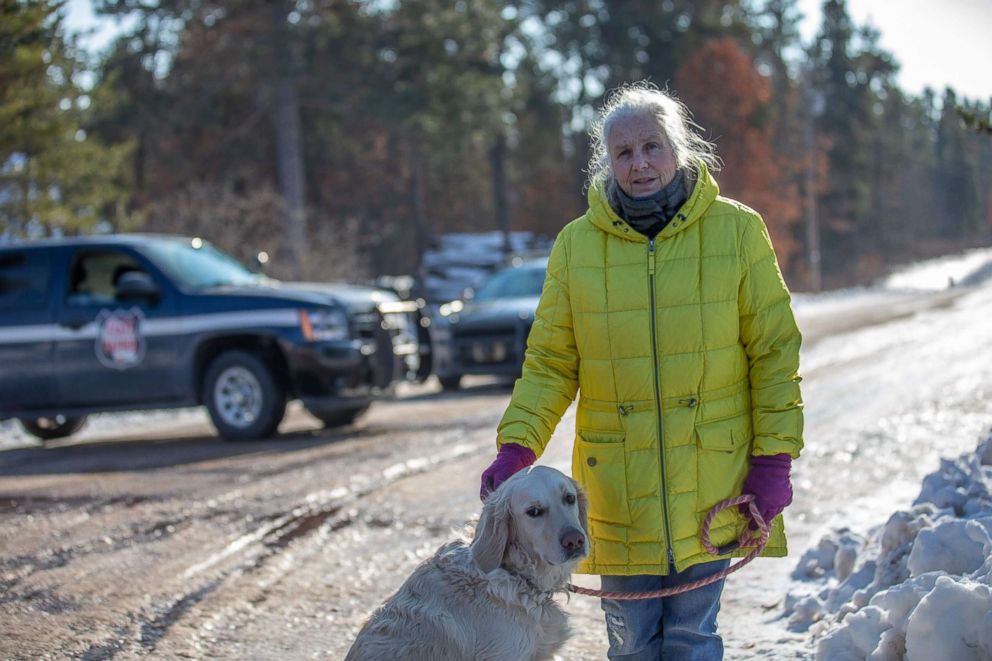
(919, 587)
(968, 268)
(110, 424)
(941, 273)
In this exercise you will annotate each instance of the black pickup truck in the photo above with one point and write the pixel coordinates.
(127, 322)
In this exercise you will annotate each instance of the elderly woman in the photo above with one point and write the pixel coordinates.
(665, 307)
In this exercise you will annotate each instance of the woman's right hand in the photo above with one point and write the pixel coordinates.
(510, 459)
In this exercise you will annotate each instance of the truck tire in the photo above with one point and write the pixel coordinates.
(49, 429)
(243, 395)
(340, 417)
(450, 381)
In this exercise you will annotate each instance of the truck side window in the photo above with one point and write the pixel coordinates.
(24, 278)
(94, 274)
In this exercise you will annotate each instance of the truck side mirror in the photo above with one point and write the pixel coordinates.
(260, 262)
(136, 284)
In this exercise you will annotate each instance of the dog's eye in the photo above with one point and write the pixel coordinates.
(569, 498)
(534, 512)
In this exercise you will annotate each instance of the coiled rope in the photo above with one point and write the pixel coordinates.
(754, 539)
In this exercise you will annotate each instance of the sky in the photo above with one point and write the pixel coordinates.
(937, 42)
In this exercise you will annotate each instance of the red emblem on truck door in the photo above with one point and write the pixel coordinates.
(119, 342)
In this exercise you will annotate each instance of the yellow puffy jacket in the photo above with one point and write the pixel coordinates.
(685, 353)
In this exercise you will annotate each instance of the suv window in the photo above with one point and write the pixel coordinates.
(519, 282)
(94, 274)
(198, 265)
(24, 278)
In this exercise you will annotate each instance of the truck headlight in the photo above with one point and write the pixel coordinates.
(454, 307)
(324, 325)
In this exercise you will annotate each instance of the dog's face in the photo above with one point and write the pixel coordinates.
(541, 512)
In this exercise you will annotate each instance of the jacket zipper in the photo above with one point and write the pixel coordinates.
(657, 405)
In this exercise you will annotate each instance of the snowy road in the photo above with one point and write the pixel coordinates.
(167, 542)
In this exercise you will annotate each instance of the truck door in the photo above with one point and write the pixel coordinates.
(27, 378)
(113, 350)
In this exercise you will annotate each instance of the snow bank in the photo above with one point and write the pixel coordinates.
(970, 267)
(110, 424)
(919, 587)
(964, 269)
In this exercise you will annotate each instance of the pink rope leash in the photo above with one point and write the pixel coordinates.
(751, 539)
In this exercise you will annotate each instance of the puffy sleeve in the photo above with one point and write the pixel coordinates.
(550, 375)
(771, 340)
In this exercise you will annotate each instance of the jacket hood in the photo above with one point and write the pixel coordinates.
(601, 214)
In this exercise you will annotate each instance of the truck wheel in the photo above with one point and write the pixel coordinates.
(341, 417)
(48, 429)
(451, 381)
(243, 396)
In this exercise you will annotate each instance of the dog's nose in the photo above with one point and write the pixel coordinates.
(573, 540)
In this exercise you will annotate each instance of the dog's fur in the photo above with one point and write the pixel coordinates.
(491, 600)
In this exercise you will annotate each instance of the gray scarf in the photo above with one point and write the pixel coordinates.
(649, 215)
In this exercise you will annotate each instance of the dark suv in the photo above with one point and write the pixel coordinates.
(487, 334)
(140, 322)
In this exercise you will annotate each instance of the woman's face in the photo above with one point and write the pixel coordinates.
(640, 157)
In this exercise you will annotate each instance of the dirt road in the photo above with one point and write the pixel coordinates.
(166, 542)
(188, 546)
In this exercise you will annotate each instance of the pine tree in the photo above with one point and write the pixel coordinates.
(53, 175)
(845, 123)
(392, 101)
(957, 173)
(732, 101)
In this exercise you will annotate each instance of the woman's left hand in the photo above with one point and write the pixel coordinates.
(770, 485)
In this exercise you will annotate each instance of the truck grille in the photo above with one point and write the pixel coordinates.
(365, 325)
(490, 346)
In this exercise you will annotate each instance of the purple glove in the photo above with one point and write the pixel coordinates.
(769, 483)
(510, 459)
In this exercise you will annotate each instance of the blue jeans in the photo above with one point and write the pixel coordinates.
(682, 627)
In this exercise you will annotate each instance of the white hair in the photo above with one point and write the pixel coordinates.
(674, 120)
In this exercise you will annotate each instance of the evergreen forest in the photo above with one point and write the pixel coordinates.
(340, 136)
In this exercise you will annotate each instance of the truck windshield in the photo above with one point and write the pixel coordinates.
(199, 265)
(512, 283)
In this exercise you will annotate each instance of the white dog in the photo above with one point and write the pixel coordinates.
(491, 600)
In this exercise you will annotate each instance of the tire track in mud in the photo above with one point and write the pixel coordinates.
(153, 629)
(321, 512)
(14, 570)
(319, 507)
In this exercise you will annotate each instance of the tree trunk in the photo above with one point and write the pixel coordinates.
(418, 200)
(497, 160)
(289, 145)
(812, 219)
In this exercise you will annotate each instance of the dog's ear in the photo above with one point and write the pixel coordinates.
(583, 507)
(492, 534)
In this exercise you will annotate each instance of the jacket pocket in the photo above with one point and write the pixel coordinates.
(599, 463)
(723, 459)
(726, 435)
